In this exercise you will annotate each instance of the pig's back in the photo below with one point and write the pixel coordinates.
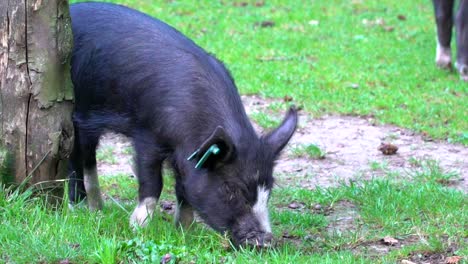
(138, 68)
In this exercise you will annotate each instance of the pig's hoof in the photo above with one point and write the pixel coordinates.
(443, 57)
(184, 216)
(444, 64)
(463, 70)
(143, 212)
(96, 203)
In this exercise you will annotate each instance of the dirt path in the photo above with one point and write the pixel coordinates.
(351, 146)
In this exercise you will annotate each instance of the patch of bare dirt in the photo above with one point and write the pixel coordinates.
(352, 151)
(423, 257)
(124, 160)
(385, 245)
(381, 247)
(343, 218)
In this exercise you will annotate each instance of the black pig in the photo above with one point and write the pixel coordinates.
(136, 75)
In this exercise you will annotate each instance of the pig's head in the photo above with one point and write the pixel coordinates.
(231, 190)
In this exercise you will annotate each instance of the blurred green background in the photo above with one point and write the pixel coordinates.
(371, 58)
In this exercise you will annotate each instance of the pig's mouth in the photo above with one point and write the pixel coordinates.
(247, 233)
(253, 239)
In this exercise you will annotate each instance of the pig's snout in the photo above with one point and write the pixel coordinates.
(248, 232)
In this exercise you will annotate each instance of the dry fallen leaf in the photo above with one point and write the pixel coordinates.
(453, 260)
(407, 262)
(240, 4)
(294, 205)
(388, 149)
(388, 240)
(267, 23)
(401, 17)
(166, 205)
(287, 98)
(260, 3)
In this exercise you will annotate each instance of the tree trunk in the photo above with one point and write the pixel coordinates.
(35, 88)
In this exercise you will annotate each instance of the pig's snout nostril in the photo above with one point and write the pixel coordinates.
(267, 239)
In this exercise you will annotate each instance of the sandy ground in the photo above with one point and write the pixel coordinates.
(351, 145)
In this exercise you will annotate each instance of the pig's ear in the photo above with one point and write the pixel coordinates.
(278, 138)
(226, 152)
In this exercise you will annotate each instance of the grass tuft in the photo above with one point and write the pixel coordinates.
(308, 150)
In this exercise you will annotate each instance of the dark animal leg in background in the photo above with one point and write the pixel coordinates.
(444, 19)
(461, 26)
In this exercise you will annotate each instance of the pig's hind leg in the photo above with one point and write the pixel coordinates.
(149, 158)
(83, 178)
(76, 188)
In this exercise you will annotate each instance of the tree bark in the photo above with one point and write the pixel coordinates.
(35, 89)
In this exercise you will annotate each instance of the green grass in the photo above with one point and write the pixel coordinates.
(342, 65)
(422, 207)
(264, 120)
(375, 165)
(308, 150)
(121, 186)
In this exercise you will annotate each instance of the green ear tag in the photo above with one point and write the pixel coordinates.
(214, 149)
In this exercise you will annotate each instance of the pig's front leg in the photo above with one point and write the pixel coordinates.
(149, 173)
(461, 25)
